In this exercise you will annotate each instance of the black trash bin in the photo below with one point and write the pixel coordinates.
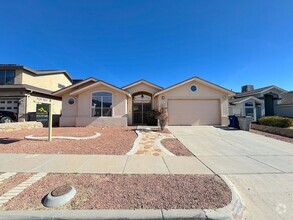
(233, 121)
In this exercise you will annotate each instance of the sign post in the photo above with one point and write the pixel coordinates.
(44, 114)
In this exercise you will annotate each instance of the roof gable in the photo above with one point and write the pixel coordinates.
(81, 90)
(197, 79)
(142, 81)
(244, 99)
(261, 91)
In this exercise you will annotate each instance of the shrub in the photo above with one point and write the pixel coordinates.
(151, 118)
(276, 121)
(162, 116)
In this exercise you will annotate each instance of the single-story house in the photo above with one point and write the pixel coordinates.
(256, 102)
(285, 107)
(192, 102)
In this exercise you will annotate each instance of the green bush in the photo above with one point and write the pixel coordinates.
(276, 121)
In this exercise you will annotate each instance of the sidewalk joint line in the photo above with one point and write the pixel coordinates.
(265, 164)
(125, 164)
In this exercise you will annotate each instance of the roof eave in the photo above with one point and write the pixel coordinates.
(142, 81)
(96, 84)
(226, 91)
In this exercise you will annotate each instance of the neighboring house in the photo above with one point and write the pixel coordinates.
(191, 102)
(21, 88)
(256, 102)
(285, 108)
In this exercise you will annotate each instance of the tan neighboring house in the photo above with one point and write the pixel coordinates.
(21, 88)
(192, 102)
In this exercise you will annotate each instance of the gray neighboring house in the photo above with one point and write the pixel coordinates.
(256, 102)
(285, 108)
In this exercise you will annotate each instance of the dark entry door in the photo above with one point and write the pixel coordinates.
(269, 105)
(139, 112)
(141, 105)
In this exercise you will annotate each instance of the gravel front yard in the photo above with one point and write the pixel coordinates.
(176, 147)
(129, 192)
(113, 141)
(275, 136)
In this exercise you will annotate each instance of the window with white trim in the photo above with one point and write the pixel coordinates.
(249, 109)
(102, 104)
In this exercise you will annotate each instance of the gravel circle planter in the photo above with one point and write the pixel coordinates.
(59, 196)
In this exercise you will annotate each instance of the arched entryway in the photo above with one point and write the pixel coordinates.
(142, 103)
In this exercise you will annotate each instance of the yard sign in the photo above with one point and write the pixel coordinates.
(44, 113)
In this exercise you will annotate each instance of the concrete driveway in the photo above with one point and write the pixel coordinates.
(261, 168)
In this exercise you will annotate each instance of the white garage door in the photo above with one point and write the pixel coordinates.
(194, 112)
(9, 105)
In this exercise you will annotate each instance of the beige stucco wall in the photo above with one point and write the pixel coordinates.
(79, 114)
(18, 77)
(49, 82)
(32, 102)
(142, 87)
(203, 92)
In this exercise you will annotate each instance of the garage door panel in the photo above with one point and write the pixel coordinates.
(194, 112)
(9, 105)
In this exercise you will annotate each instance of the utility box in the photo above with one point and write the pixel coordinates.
(245, 122)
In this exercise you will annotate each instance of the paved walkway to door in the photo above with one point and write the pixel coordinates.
(148, 143)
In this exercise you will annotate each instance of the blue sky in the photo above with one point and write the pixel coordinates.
(230, 43)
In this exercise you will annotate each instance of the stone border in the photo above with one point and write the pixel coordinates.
(162, 148)
(31, 137)
(16, 126)
(6, 175)
(19, 188)
(233, 210)
(287, 132)
(135, 145)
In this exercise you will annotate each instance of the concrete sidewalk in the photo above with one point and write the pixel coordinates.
(117, 164)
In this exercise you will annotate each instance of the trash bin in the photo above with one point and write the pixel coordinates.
(245, 122)
(233, 121)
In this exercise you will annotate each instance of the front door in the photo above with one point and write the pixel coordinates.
(142, 103)
(269, 105)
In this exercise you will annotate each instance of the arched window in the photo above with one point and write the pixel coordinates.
(102, 104)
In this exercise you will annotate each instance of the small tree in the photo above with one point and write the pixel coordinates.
(162, 116)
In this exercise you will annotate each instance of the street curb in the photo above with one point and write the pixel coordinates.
(233, 210)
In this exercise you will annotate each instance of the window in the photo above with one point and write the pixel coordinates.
(71, 101)
(249, 104)
(249, 109)
(102, 104)
(193, 88)
(7, 77)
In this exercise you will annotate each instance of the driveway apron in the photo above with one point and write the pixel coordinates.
(258, 166)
